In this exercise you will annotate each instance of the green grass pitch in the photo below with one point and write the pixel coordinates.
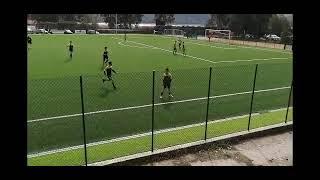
(54, 89)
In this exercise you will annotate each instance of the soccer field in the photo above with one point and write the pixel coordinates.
(54, 104)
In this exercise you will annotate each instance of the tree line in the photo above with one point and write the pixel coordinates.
(255, 24)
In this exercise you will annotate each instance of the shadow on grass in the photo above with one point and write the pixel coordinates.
(68, 60)
(169, 105)
(106, 89)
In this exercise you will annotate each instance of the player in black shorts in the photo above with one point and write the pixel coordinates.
(175, 48)
(167, 78)
(183, 49)
(179, 44)
(29, 40)
(70, 46)
(105, 56)
(108, 72)
(125, 36)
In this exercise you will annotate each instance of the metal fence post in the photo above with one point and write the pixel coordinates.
(289, 102)
(208, 102)
(83, 123)
(254, 84)
(152, 126)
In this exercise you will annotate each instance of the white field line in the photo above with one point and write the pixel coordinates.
(158, 104)
(143, 134)
(147, 134)
(238, 46)
(207, 60)
(120, 43)
(211, 46)
(158, 151)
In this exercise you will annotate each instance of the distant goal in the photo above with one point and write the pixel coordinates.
(220, 34)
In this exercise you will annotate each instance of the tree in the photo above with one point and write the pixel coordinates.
(256, 24)
(221, 21)
(163, 19)
(279, 24)
(125, 20)
(110, 19)
(262, 23)
(45, 17)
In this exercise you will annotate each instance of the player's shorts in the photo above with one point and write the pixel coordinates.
(29, 42)
(71, 50)
(105, 58)
(174, 49)
(166, 84)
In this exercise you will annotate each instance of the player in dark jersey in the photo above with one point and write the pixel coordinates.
(70, 46)
(29, 40)
(175, 48)
(167, 78)
(183, 49)
(105, 56)
(125, 36)
(179, 44)
(108, 72)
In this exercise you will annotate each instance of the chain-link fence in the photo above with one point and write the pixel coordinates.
(83, 120)
(54, 121)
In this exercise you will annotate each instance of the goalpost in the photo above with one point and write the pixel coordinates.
(173, 32)
(219, 34)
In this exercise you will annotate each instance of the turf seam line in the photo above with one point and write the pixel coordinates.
(157, 104)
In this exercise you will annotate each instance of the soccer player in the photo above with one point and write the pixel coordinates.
(108, 72)
(179, 44)
(167, 78)
(183, 49)
(175, 48)
(29, 40)
(105, 56)
(70, 48)
(125, 36)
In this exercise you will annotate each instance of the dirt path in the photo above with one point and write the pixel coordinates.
(273, 150)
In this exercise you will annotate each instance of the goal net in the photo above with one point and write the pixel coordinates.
(173, 32)
(221, 34)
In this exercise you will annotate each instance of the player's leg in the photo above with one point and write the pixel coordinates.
(110, 79)
(169, 89)
(103, 77)
(164, 87)
(70, 54)
(114, 86)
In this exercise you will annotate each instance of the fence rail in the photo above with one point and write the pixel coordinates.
(105, 124)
